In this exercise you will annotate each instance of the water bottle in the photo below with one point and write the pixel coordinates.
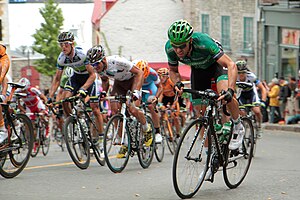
(218, 129)
(225, 131)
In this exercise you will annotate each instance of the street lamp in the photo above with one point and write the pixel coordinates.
(27, 50)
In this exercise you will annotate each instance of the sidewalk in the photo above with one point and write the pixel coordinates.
(284, 127)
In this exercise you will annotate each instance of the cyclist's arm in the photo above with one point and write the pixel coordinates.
(226, 61)
(4, 86)
(105, 83)
(91, 79)
(4, 67)
(159, 90)
(43, 97)
(138, 78)
(263, 91)
(55, 83)
(174, 74)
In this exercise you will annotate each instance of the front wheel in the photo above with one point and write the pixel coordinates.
(116, 154)
(76, 141)
(160, 147)
(145, 154)
(191, 160)
(237, 162)
(45, 142)
(13, 161)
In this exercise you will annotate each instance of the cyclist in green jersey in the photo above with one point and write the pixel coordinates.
(207, 61)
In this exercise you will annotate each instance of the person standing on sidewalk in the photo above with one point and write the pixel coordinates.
(274, 100)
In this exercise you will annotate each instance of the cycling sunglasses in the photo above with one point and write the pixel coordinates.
(181, 46)
(61, 44)
(97, 63)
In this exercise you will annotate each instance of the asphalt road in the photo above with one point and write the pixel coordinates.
(274, 175)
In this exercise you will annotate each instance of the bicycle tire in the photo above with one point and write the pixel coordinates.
(237, 163)
(19, 157)
(160, 147)
(145, 154)
(45, 143)
(76, 142)
(112, 145)
(171, 141)
(186, 174)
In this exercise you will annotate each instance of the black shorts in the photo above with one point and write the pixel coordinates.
(201, 79)
(167, 100)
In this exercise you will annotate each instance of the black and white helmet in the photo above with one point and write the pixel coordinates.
(95, 54)
(242, 66)
(65, 36)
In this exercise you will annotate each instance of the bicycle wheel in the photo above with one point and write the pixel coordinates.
(171, 141)
(112, 144)
(76, 141)
(255, 128)
(160, 146)
(99, 153)
(145, 154)
(37, 143)
(15, 157)
(238, 161)
(191, 160)
(45, 142)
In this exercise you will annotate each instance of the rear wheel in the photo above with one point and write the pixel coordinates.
(191, 160)
(116, 154)
(145, 154)
(37, 143)
(76, 141)
(237, 162)
(13, 161)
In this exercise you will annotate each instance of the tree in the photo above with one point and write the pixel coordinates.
(46, 38)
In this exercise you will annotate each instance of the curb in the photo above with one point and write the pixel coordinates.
(292, 128)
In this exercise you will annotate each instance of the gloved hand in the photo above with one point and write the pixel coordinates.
(179, 85)
(82, 92)
(136, 95)
(102, 94)
(49, 100)
(262, 103)
(228, 95)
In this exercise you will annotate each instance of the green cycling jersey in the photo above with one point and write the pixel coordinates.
(205, 51)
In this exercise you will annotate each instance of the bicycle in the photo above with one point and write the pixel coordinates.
(124, 129)
(77, 130)
(42, 140)
(15, 151)
(56, 130)
(168, 129)
(252, 117)
(201, 150)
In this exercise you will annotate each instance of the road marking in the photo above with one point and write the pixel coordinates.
(53, 165)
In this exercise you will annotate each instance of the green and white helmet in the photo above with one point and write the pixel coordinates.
(180, 32)
(242, 65)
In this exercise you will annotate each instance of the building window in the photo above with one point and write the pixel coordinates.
(205, 23)
(225, 37)
(248, 35)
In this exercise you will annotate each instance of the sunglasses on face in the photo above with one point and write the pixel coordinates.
(66, 44)
(97, 63)
(181, 46)
(241, 72)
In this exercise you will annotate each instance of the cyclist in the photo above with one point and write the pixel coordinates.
(126, 77)
(168, 97)
(247, 92)
(35, 103)
(153, 85)
(82, 80)
(207, 61)
(4, 66)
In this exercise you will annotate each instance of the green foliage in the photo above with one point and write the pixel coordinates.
(46, 38)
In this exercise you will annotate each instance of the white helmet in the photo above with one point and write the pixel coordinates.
(69, 72)
(24, 81)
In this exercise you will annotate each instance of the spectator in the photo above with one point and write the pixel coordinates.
(283, 96)
(297, 91)
(274, 101)
(292, 99)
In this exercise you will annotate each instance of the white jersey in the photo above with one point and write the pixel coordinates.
(78, 62)
(118, 68)
(249, 83)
